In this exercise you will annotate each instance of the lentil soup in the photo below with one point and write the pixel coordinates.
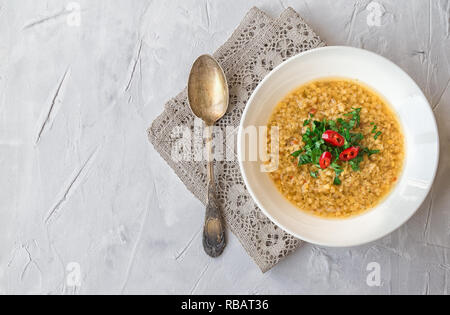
(341, 148)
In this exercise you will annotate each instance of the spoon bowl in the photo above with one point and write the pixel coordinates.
(207, 90)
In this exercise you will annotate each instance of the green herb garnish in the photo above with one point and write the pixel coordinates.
(337, 181)
(355, 117)
(370, 152)
(315, 146)
(337, 170)
(377, 135)
(355, 162)
(296, 153)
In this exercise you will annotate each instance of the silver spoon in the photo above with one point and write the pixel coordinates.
(208, 99)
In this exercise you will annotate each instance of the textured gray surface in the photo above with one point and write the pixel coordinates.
(80, 185)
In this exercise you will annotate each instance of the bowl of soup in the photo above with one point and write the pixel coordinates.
(338, 146)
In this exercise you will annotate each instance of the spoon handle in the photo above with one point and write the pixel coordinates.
(214, 228)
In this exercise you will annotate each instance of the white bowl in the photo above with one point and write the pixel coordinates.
(416, 118)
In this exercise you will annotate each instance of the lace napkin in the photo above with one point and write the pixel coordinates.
(258, 45)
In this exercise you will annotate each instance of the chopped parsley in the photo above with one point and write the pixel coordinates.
(377, 135)
(296, 153)
(315, 146)
(370, 152)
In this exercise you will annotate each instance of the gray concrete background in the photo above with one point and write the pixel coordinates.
(87, 205)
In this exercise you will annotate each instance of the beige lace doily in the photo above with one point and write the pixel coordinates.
(258, 45)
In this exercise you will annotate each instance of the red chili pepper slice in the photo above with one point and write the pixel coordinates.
(349, 154)
(325, 160)
(334, 138)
